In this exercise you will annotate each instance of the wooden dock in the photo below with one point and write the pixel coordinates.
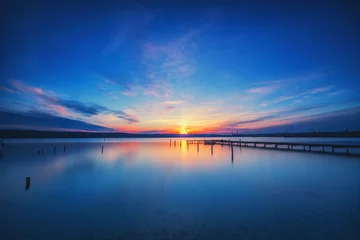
(290, 146)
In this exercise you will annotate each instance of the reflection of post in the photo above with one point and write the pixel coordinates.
(198, 147)
(187, 144)
(212, 151)
(232, 154)
(27, 183)
(102, 149)
(180, 143)
(240, 142)
(175, 143)
(170, 142)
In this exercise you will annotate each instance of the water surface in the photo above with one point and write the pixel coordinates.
(149, 189)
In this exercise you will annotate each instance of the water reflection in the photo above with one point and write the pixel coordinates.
(161, 189)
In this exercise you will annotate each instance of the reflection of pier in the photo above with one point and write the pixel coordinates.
(290, 146)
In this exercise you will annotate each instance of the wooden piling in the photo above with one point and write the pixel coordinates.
(198, 146)
(323, 148)
(102, 149)
(212, 151)
(27, 183)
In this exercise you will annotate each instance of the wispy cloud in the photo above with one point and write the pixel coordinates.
(322, 89)
(169, 108)
(262, 90)
(45, 121)
(302, 94)
(50, 100)
(6, 89)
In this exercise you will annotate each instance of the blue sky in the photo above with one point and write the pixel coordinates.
(167, 66)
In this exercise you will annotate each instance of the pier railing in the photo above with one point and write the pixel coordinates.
(292, 146)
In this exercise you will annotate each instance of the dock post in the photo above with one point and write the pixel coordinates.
(309, 148)
(198, 146)
(232, 154)
(27, 183)
(102, 149)
(276, 146)
(304, 149)
(254, 144)
(38, 152)
(288, 147)
(323, 148)
(175, 143)
(212, 151)
(180, 143)
(170, 142)
(291, 147)
(240, 142)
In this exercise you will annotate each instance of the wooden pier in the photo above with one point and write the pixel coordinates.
(290, 146)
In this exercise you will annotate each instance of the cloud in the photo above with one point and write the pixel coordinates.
(44, 121)
(169, 108)
(158, 67)
(175, 102)
(49, 99)
(322, 89)
(261, 90)
(6, 89)
(288, 97)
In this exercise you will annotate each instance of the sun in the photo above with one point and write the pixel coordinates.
(183, 131)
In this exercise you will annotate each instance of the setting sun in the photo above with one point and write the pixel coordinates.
(183, 131)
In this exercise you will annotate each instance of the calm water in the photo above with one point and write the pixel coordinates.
(147, 189)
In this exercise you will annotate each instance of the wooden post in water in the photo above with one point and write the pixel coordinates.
(170, 142)
(187, 144)
(175, 143)
(198, 146)
(38, 152)
(27, 183)
(212, 151)
(309, 148)
(288, 147)
(102, 149)
(232, 154)
(323, 148)
(304, 149)
(54, 150)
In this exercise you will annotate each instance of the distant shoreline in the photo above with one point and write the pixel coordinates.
(6, 134)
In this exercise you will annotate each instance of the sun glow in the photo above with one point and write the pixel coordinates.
(183, 131)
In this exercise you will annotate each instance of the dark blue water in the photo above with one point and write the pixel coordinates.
(150, 190)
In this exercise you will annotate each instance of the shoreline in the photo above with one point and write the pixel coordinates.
(21, 134)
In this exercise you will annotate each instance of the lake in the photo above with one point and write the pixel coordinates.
(149, 189)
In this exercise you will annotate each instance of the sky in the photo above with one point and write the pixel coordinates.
(187, 66)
